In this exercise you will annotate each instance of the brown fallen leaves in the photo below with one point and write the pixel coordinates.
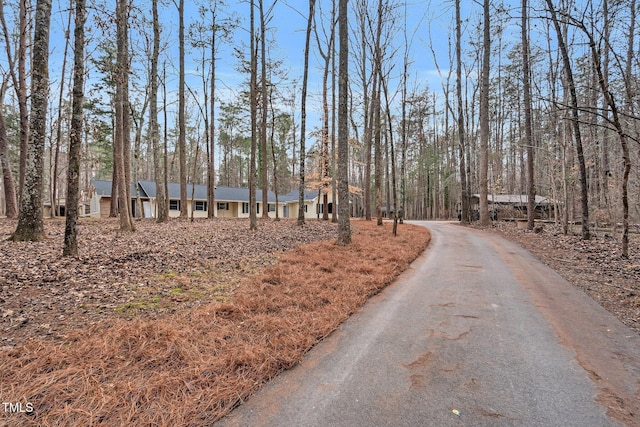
(191, 366)
(160, 268)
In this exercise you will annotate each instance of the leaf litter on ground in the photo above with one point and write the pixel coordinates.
(178, 323)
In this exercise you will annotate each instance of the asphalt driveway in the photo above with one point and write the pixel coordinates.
(477, 333)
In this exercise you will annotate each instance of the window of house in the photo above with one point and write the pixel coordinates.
(272, 207)
(245, 208)
(201, 205)
(258, 208)
(305, 208)
(223, 206)
(174, 205)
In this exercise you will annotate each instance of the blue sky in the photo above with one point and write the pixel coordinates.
(429, 22)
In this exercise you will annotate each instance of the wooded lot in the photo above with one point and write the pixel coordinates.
(440, 101)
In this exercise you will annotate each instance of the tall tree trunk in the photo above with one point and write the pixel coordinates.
(122, 118)
(403, 129)
(211, 171)
(139, 124)
(165, 136)
(303, 122)
(334, 182)
(30, 221)
(376, 111)
(586, 234)
(394, 192)
(55, 207)
(465, 214)
(606, 168)
(344, 223)
(263, 123)
(622, 136)
(253, 220)
(19, 83)
(324, 132)
(75, 137)
(162, 214)
(182, 131)
(528, 133)
(11, 203)
(484, 118)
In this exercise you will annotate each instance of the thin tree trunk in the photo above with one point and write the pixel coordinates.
(162, 214)
(30, 221)
(528, 132)
(11, 203)
(139, 124)
(55, 207)
(465, 214)
(344, 224)
(324, 151)
(165, 137)
(608, 96)
(253, 220)
(263, 128)
(586, 234)
(484, 118)
(303, 122)
(182, 131)
(75, 137)
(19, 83)
(394, 191)
(211, 172)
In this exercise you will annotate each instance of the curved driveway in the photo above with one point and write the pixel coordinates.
(477, 325)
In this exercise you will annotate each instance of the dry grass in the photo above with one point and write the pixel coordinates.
(191, 368)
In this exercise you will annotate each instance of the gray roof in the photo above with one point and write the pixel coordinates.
(223, 194)
(103, 188)
(294, 196)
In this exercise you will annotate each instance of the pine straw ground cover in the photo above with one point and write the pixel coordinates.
(191, 367)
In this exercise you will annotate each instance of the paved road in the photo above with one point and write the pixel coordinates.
(477, 325)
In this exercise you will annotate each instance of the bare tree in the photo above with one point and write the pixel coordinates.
(465, 214)
(11, 204)
(75, 138)
(19, 83)
(263, 118)
(528, 131)
(484, 116)
(55, 207)
(326, 55)
(122, 143)
(182, 132)
(622, 136)
(30, 221)
(253, 220)
(303, 122)
(586, 235)
(344, 223)
(162, 214)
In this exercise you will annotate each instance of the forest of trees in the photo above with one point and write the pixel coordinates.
(435, 101)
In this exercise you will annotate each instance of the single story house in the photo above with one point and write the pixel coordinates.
(231, 202)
